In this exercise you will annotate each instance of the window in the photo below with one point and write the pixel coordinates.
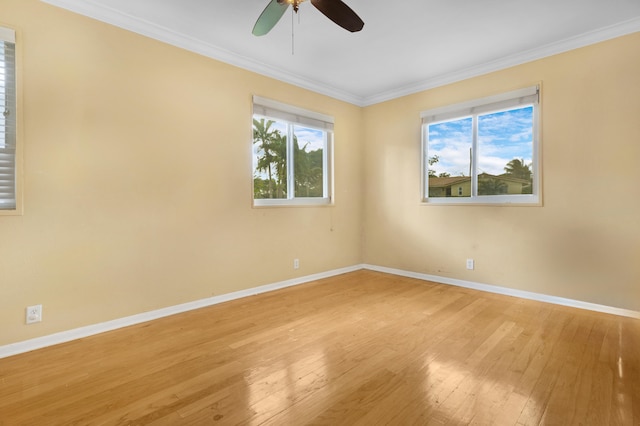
(7, 120)
(291, 155)
(486, 149)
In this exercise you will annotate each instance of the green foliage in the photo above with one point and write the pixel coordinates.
(491, 186)
(309, 180)
(494, 185)
(271, 147)
(433, 160)
(263, 136)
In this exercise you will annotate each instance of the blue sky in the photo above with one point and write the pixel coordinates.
(314, 139)
(502, 136)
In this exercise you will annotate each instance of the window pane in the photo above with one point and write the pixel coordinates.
(505, 152)
(269, 158)
(308, 146)
(449, 158)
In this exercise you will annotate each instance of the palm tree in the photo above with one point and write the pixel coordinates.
(308, 172)
(279, 151)
(301, 165)
(518, 169)
(272, 159)
(316, 173)
(264, 136)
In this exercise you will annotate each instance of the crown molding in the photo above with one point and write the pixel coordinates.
(157, 32)
(140, 26)
(576, 42)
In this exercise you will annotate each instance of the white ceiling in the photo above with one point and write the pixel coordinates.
(405, 46)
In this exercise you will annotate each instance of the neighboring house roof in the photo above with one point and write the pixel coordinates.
(443, 182)
(506, 176)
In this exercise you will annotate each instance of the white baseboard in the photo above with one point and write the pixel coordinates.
(78, 333)
(90, 330)
(508, 292)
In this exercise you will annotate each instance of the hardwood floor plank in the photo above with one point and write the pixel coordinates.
(363, 348)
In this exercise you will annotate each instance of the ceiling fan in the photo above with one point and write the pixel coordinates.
(335, 10)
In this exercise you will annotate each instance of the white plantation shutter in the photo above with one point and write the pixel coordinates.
(7, 120)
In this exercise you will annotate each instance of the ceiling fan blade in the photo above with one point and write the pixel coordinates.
(339, 13)
(269, 17)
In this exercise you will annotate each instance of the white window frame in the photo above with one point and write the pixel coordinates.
(10, 200)
(292, 116)
(501, 102)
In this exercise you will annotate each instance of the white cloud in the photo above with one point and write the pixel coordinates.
(502, 136)
(313, 139)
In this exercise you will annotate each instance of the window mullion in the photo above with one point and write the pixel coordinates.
(424, 162)
(325, 166)
(290, 163)
(473, 160)
(535, 160)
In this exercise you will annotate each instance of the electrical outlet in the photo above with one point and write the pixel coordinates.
(34, 314)
(470, 264)
(296, 263)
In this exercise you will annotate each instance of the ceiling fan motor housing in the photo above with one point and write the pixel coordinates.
(335, 10)
(294, 3)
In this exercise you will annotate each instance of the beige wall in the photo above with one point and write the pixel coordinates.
(583, 244)
(137, 174)
(137, 177)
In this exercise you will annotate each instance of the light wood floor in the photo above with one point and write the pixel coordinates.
(362, 348)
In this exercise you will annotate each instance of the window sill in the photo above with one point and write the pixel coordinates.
(497, 201)
(14, 212)
(297, 202)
